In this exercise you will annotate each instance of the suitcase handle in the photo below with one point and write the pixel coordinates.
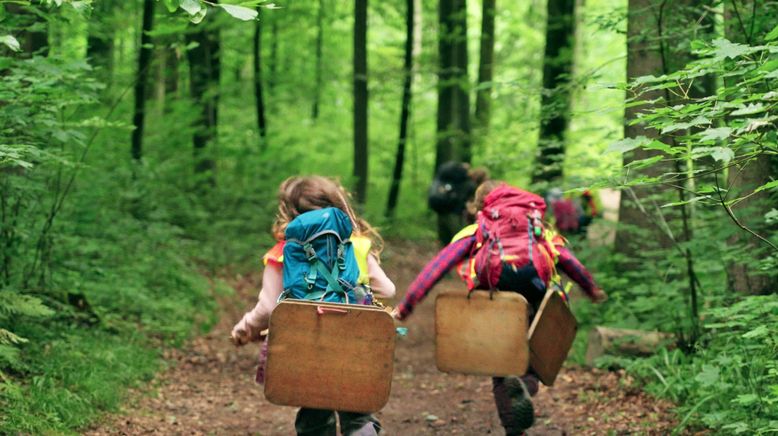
(321, 310)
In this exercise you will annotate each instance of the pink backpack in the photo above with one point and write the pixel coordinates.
(565, 215)
(510, 232)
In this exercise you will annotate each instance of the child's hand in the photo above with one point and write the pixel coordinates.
(240, 335)
(396, 314)
(598, 295)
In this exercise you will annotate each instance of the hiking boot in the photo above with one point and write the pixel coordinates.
(521, 404)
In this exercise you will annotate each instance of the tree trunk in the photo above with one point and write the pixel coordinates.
(319, 44)
(204, 73)
(644, 57)
(453, 117)
(556, 96)
(747, 22)
(360, 100)
(99, 42)
(260, 104)
(271, 81)
(141, 82)
(483, 98)
(32, 39)
(405, 112)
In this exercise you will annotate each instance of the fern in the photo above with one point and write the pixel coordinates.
(12, 303)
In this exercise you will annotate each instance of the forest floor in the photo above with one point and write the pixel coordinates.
(209, 388)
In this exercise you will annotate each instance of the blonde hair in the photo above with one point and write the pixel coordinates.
(300, 194)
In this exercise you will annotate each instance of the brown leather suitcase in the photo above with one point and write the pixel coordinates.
(330, 356)
(551, 336)
(481, 335)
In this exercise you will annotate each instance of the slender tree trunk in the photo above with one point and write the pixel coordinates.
(319, 43)
(453, 118)
(258, 79)
(483, 98)
(271, 81)
(31, 39)
(747, 22)
(360, 100)
(204, 74)
(405, 112)
(142, 75)
(99, 42)
(556, 96)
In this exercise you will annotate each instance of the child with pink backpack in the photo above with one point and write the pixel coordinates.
(507, 249)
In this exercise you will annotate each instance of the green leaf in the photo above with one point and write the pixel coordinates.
(772, 35)
(171, 5)
(199, 16)
(192, 7)
(727, 49)
(768, 185)
(10, 42)
(715, 134)
(746, 399)
(240, 12)
(757, 332)
(709, 375)
(750, 109)
(643, 163)
(627, 144)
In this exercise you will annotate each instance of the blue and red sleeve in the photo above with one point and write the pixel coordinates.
(443, 262)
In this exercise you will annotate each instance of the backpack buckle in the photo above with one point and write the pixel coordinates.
(310, 279)
(341, 258)
(310, 253)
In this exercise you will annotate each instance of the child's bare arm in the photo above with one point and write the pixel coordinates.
(381, 285)
(250, 327)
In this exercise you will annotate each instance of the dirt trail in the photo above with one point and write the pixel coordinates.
(209, 388)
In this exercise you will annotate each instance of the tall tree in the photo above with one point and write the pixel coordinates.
(453, 117)
(260, 103)
(747, 22)
(360, 100)
(204, 74)
(141, 80)
(483, 99)
(99, 42)
(34, 38)
(405, 110)
(555, 98)
(273, 62)
(319, 43)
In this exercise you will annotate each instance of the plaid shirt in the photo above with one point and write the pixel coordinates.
(447, 258)
(460, 250)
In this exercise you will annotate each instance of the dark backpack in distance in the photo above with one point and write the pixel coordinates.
(319, 262)
(450, 189)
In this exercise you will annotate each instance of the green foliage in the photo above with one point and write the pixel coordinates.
(731, 382)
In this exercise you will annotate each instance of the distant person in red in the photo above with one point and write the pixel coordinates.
(507, 249)
(571, 215)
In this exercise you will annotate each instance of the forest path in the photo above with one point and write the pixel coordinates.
(209, 386)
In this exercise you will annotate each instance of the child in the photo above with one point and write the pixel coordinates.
(296, 196)
(514, 214)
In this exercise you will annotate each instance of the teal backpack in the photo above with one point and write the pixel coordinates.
(319, 262)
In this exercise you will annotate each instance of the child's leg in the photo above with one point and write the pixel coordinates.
(358, 424)
(315, 422)
(514, 406)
